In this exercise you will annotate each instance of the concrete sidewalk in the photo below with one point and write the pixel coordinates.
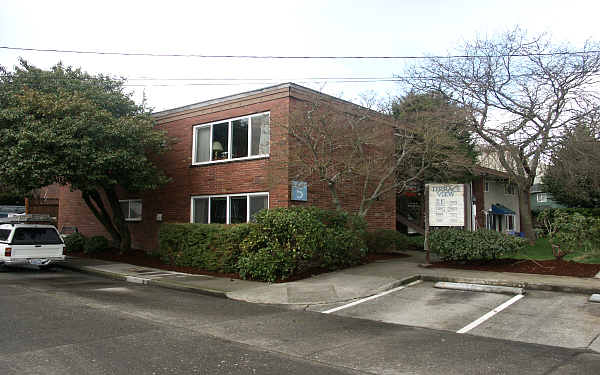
(333, 287)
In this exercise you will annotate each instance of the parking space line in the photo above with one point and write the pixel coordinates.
(370, 298)
(495, 311)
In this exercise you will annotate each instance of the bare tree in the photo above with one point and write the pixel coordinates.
(338, 143)
(522, 93)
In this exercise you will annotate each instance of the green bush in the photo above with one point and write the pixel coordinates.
(485, 244)
(280, 243)
(74, 243)
(212, 247)
(95, 244)
(387, 240)
(297, 239)
(571, 230)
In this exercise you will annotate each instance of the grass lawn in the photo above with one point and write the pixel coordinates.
(542, 250)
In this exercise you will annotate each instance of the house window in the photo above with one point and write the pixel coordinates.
(542, 197)
(237, 138)
(509, 189)
(228, 209)
(486, 187)
(132, 209)
(511, 222)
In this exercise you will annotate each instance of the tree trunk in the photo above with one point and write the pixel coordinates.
(525, 213)
(93, 200)
(118, 219)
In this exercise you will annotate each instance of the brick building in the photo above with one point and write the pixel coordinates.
(230, 159)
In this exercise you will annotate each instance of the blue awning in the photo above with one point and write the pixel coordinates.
(499, 209)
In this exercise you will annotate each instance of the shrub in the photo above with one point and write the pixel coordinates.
(213, 247)
(386, 240)
(74, 243)
(301, 238)
(95, 244)
(485, 244)
(571, 230)
(280, 243)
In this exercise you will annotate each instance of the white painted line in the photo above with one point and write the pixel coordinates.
(136, 280)
(490, 314)
(370, 298)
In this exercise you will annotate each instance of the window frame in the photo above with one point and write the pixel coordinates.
(229, 121)
(228, 205)
(127, 218)
(486, 187)
(541, 197)
(509, 189)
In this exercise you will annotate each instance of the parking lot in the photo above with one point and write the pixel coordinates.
(550, 318)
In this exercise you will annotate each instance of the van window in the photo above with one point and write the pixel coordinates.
(4, 233)
(36, 236)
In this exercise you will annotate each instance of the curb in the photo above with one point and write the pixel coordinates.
(143, 281)
(524, 285)
(479, 288)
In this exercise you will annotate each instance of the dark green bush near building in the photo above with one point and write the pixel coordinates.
(282, 242)
(74, 243)
(484, 244)
(288, 241)
(212, 247)
(387, 240)
(95, 244)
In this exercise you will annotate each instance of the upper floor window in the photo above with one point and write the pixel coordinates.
(509, 189)
(542, 197)
(132, 209)
(237, 138)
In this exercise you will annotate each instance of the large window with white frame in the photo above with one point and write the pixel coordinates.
(237, 138)
(227, 209)
(132, 209)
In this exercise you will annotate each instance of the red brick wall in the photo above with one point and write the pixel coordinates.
(382, 213)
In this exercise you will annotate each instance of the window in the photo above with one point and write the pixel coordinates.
(486, 187)
(4, 233)
(36, 236)
(132, 209)
(228, 209)
(511, 222)
(542, 197)
(238, 138)
(509, 189)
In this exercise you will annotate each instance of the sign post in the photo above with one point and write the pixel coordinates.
(444, 207)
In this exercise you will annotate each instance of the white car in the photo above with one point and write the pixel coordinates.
(36, 244)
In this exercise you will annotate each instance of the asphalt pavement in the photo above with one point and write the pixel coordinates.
(62, 322)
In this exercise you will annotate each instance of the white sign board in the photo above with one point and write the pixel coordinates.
(446, 205)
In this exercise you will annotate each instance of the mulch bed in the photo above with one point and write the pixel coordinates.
(143, 259)
(557, 267)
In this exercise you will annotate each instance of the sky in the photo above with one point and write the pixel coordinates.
(280, 28)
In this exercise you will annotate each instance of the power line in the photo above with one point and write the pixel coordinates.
(144, 54)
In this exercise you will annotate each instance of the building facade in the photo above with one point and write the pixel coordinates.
(229, 160)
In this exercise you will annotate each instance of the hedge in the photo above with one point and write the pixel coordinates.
(485, 244)
(282, 242)
(387, 240)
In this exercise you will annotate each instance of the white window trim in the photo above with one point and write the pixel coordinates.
(230, 140)
(228, 196)
(542, 197)
(129, 209)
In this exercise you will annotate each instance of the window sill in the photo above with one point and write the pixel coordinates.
(216, 162)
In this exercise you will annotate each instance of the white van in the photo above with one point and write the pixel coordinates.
(36, 244)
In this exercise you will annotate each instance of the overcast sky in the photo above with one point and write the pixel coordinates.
(283, 28)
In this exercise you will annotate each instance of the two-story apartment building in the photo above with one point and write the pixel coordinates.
(230, 159)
